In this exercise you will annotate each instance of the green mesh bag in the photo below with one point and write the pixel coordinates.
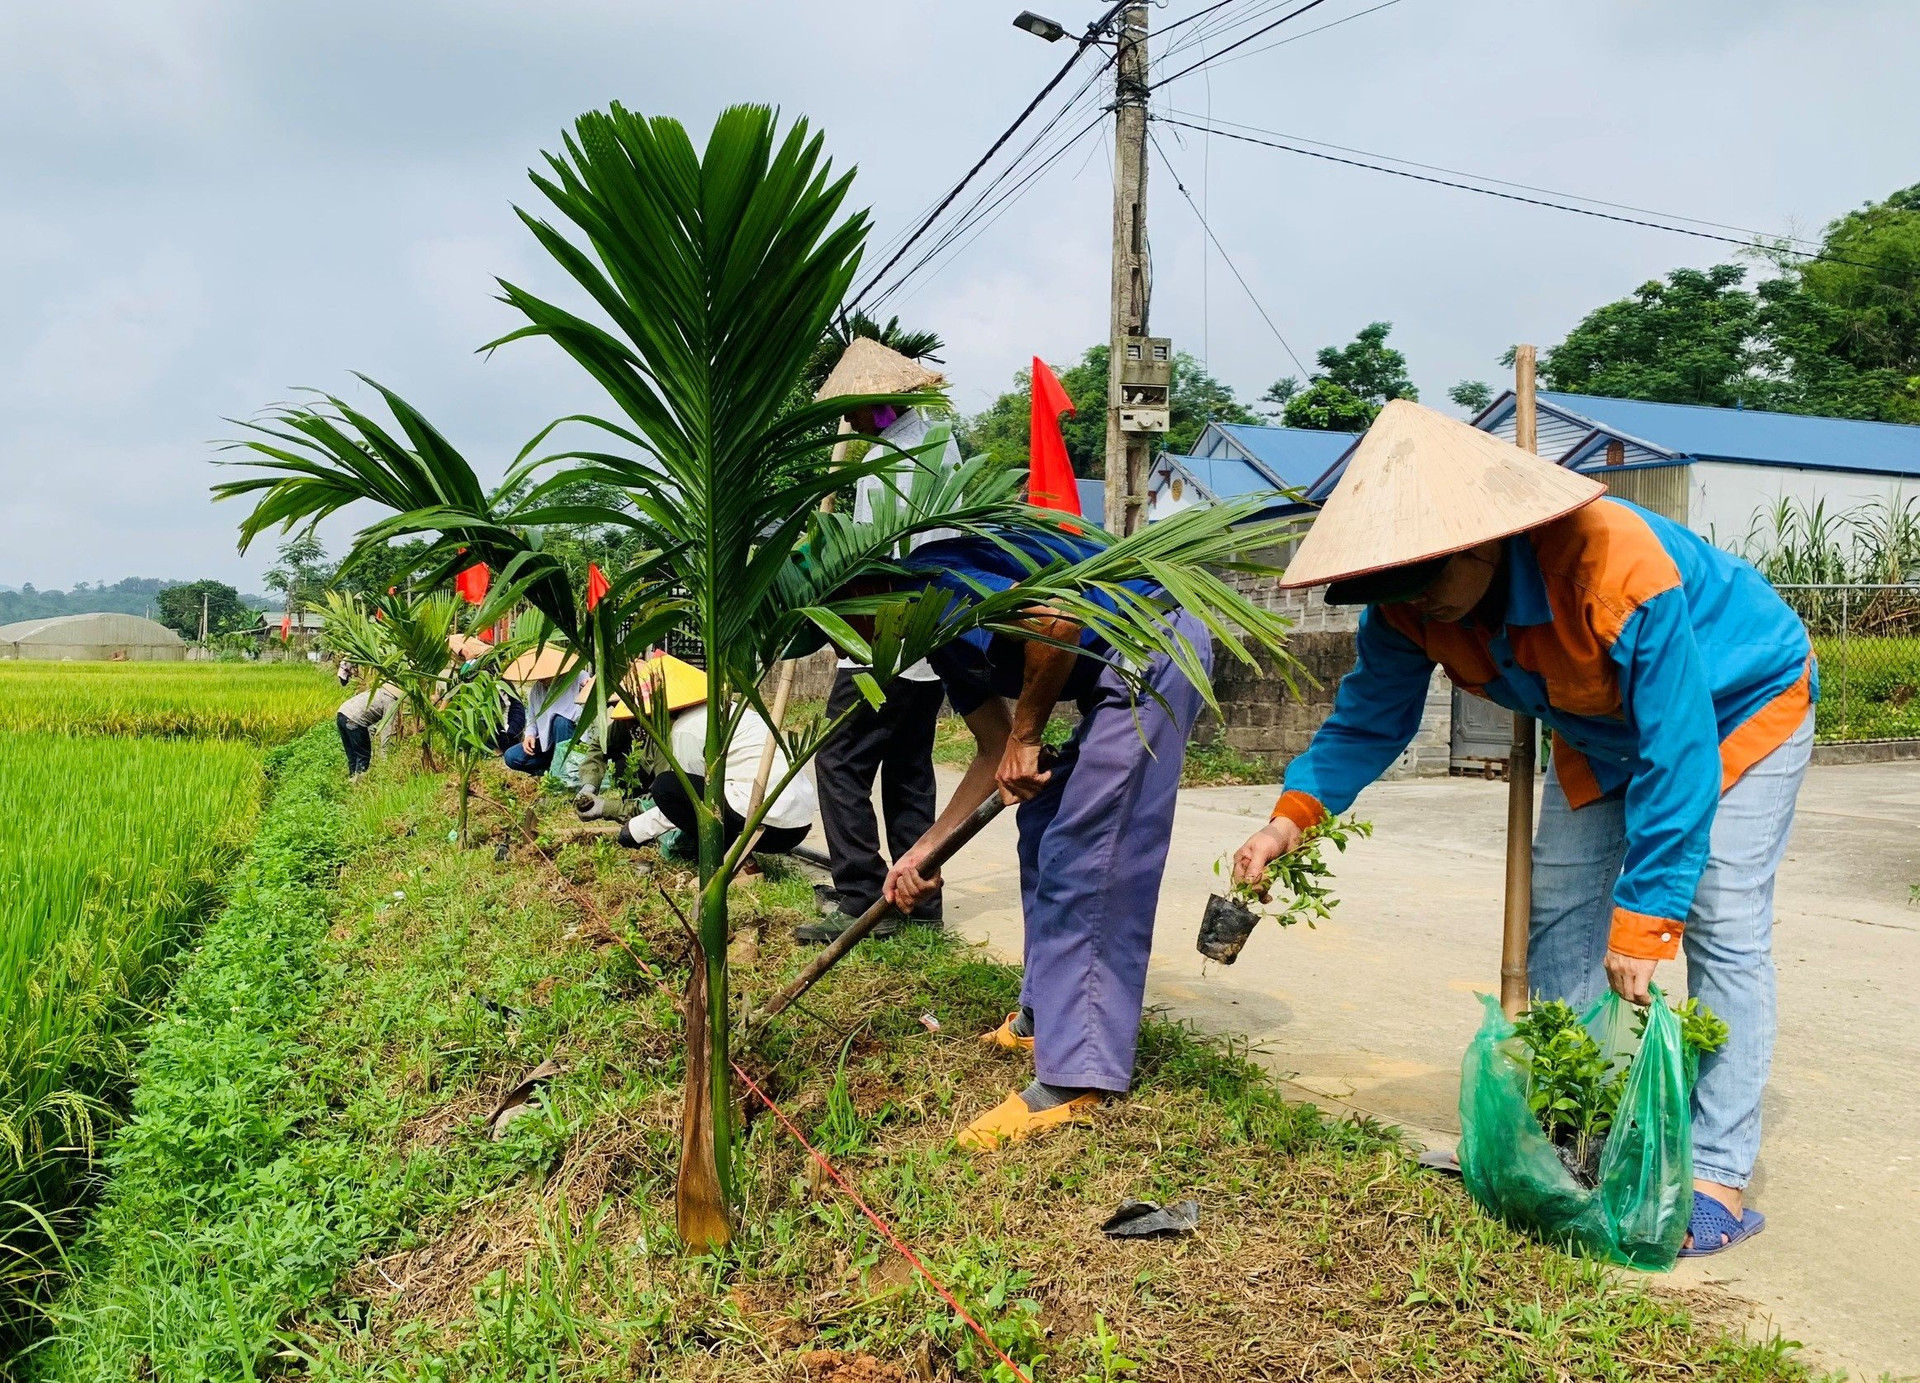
(1636, 1213)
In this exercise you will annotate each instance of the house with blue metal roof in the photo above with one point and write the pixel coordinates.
(1234, 459)
(1717, 470)
(1720, 470)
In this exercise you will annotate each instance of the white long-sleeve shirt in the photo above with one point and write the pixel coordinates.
(910, 431)
(548, 699)
(688, 741)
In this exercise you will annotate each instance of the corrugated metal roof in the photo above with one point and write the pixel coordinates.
(1221, 477)
(1298, 456)
(1747, 434)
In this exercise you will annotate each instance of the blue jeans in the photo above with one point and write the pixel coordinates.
(1728, 939)
(520, 761)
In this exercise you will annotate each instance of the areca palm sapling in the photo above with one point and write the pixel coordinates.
(714, 274)
(403, 640)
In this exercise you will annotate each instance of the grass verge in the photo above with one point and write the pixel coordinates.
(312, 1185)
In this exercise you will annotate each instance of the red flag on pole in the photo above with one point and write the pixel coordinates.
(597, 584)
(1050, 483)
(473, 582)
(286, 626)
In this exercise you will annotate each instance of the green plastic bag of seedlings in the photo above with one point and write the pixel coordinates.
(1635, 1207)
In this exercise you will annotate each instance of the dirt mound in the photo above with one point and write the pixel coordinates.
(831, 1366)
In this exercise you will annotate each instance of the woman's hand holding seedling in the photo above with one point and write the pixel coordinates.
(1298, 870)
(1278, 837)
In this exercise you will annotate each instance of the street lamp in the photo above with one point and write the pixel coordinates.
(1040, 26)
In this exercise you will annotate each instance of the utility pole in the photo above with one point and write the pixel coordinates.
(1127, 448)
(203, 616)
(1518, 920)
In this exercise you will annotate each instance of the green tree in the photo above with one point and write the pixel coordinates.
(179, 607)
(300, 571)
(1689, 339)
(1280, 393)
(717, 272)
(1871, 278)
(1352, 385)
(1328, 407)
(398, 565)
(1472, 395)
(1367, 367)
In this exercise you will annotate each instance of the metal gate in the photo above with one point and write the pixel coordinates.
(1482, 736)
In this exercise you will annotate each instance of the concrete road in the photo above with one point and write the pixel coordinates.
(1373, 1011)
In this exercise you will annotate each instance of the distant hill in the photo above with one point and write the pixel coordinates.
(133, 596)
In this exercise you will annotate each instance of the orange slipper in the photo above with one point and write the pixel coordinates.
(1011, 1121)
(1006, 1038)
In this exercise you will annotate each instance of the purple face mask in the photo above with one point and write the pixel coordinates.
(885, 417)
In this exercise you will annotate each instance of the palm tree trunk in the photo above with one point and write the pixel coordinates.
(466, 799)
(704, 1190)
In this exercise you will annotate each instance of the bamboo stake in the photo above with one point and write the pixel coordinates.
(1520, 757)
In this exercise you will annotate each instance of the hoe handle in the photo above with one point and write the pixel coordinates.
(881, 910)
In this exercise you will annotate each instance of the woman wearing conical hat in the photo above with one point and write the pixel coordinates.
(1679, 689)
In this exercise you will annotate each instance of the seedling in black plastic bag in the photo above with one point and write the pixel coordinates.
(1300, 877)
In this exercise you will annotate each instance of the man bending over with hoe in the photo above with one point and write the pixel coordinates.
(1679, 689)
(1094, 824)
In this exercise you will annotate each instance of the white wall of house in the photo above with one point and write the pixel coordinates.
(1727, 495)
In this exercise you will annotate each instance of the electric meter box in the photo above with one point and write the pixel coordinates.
(1146, 383)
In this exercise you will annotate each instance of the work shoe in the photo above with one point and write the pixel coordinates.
(1005, 1038)
(1011, 1121)
(827, 928)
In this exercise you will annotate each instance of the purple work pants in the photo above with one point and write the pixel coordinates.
(1093, 846)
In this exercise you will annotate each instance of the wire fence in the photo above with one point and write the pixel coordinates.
(1867, 638)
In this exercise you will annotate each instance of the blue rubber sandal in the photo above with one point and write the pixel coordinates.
(1712, 1220)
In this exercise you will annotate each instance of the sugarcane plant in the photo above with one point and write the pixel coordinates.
(712, 275)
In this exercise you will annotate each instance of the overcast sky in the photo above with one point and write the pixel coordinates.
(205, 204)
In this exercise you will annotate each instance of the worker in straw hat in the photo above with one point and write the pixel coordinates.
(894, 741)
(1679, 689)
(670, 818)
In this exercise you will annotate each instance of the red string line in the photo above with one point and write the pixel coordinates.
(879, 1223)
(586, 904)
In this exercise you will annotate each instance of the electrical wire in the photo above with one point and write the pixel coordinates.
(1295, 38)
(1238, 43)
(1014, 166)
(1214, 28)
(990, 214)
(1516, 197)
(1087, 41)
(1215, 121)
(1174, 173)
(1017, 163)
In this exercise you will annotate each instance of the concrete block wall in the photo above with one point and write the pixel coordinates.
(1262, 717)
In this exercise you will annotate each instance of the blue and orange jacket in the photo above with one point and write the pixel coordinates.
(1664, 667)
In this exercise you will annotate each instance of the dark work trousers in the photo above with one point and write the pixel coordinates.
(674, 804)
(357, 740)
(894, 743)
(514, 727)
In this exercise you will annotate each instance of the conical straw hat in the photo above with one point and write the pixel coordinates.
(541, 664)
(684, 684)
(1422, 485)
(867, 367)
